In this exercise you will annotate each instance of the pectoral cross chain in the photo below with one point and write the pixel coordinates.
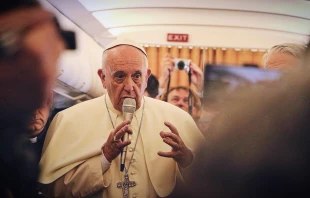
(125, 185)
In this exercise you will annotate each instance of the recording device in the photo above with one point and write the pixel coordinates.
(129, 107)
(221, 82)
(181, 64)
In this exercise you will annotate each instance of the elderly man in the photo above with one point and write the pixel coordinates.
(284, 56)
(38, 125)
(81, 154)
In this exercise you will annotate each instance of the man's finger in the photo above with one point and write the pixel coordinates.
(171, 143)
(172, 128)
(121, 126)
(119, 134)
(172, 136)
(123, 144)
(166, 154)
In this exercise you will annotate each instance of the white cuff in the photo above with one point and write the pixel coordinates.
(105, 164)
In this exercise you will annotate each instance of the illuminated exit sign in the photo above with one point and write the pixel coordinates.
(177, 37)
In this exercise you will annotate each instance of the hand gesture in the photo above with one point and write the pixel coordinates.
(114, 145)
(179, 152)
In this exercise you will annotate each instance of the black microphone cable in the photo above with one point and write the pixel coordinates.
(190, 101)
(168, 86)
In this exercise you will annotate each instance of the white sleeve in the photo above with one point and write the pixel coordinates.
(105, 164)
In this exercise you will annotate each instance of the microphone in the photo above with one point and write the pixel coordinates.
(129, 107)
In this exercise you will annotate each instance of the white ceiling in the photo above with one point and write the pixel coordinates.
(228, 22)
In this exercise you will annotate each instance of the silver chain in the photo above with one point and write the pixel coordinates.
(134, 149)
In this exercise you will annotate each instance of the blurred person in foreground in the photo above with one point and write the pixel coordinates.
(284, 56)
(81, 154)
(29, 48)
(259, 145)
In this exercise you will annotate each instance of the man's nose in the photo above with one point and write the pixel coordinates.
(34, 116)
(128, 86)
(180, 103)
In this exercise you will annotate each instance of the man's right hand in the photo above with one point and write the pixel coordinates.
(114, 145)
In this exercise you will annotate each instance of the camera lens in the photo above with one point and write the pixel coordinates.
(181, 65)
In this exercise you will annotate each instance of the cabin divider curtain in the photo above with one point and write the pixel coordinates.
(200, 56)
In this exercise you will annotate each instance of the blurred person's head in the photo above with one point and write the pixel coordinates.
(179, 96)
(258, 146)
(152, 87)
(284, 56)
(30, 47)
(124, 72)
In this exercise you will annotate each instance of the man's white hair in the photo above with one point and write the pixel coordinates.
(294, 49)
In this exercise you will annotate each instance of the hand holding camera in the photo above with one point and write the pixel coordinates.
(182, 64)
(169, 64)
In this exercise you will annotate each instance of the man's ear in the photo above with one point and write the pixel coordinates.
(102, 77)
(148, 73)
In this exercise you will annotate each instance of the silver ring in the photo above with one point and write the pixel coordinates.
(115, 139)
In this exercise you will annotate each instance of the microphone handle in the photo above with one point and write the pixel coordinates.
(124, 152)
(127, 116)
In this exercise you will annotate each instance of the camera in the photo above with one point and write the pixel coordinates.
(182, 64)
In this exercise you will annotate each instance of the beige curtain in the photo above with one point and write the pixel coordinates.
(201, 57)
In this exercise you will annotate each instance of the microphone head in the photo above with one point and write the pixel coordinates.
(129, 105)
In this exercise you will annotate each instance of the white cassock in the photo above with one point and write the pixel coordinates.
(71, 159)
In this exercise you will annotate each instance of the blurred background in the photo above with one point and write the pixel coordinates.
(205, 31)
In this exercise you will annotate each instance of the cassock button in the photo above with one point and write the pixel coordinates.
(135, 196)
(130, 149)
(133, 172)
(133, 160)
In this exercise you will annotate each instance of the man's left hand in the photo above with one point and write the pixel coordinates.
(197, 76)
(179, 152)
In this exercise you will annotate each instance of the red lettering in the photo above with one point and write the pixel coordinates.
(177, 37)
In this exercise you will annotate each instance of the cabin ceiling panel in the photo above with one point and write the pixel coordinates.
(202, 36)
(298, 8)
(203, 17)
(288, 19)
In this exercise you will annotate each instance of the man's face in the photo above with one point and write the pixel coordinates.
(38, 120)
(281, 60)
(125, 74)
(179, 98)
